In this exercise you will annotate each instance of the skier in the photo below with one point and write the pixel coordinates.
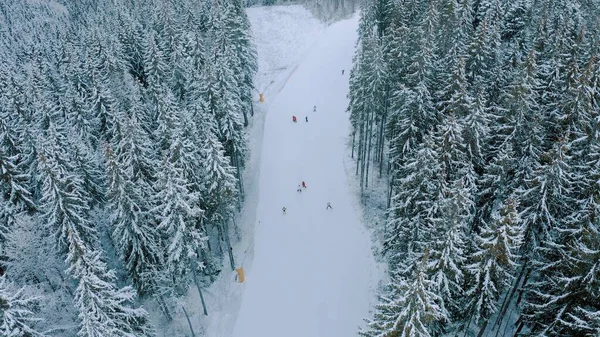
(315, 108)
(294, 119)
(299, 189)
(342, 71)
(329, 206)
(306, 119)
(303, 184)
(283, 209)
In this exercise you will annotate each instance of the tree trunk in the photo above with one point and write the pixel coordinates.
(509, 297)
(368, 159)
(200, 292)
(519, 328)
(359, 148)
(382, 144)
(163, 307)
(353, 140)
(245, 113)
(229, 249)
(188, 320)
(482, 330)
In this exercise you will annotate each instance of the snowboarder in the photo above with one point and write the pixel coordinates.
(329, 206)
(283, 209)
(294, 119)
(299, 189)
(315, 108)
(306, 118)
(342, 71)
(303, 184)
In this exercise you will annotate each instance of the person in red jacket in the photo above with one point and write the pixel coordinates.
(294, 119)
(303, 184)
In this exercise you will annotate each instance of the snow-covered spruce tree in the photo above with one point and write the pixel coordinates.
(412, 103)
(448, 253)
(134, 233)
(221, 97)
(14, 193)
(368, 107)
(493, 261)
(178, 218)
(14, 187)
(521, 124)
(103, 309)
(553, 288)
(456, 213)
(103, 107)
(237, 27)
(155, 70)
(227, 111)
(17, 311)
(569, 271)
(219, 176)
(135, 150)
(413, 113)
(408, 308)
(414, 211)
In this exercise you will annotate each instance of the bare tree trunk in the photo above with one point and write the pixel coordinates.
(245, 113)
(163, 307)
(229, 249)
(382, 144)
(509, 297)
(368, 155)
(359, 149)
(200, 292)
(520, 327)
(353, 141)
(363, 156)
(483, 327)
(188, 320)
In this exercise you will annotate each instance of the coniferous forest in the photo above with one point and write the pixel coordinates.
(121, 148)
(483, 118)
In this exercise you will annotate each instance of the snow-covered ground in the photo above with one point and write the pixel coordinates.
(310, 272)
(313, 272)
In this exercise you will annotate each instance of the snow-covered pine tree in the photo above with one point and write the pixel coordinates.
(412, 103)
(552, 289)
(408, 308)
(17, 308)
(493, 261)
(103, 309)
(521, 124)
(155, 69)
(219, 176)
(456, 213)
(368, 111)
(134, 233)
(135, 150)
(414, 210)
(237, 27)
(14, 193)
(178, 216)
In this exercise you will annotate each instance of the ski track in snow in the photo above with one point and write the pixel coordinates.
(309, 273)
(313, 272)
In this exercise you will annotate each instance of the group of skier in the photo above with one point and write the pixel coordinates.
(303, 184)
(294, 119)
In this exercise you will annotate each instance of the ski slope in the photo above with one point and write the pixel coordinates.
(313, 272)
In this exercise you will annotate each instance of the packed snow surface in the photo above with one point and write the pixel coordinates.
(313, 271)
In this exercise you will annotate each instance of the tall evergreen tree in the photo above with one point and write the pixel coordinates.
(410, 309)
(17, 307)
(493, 261)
